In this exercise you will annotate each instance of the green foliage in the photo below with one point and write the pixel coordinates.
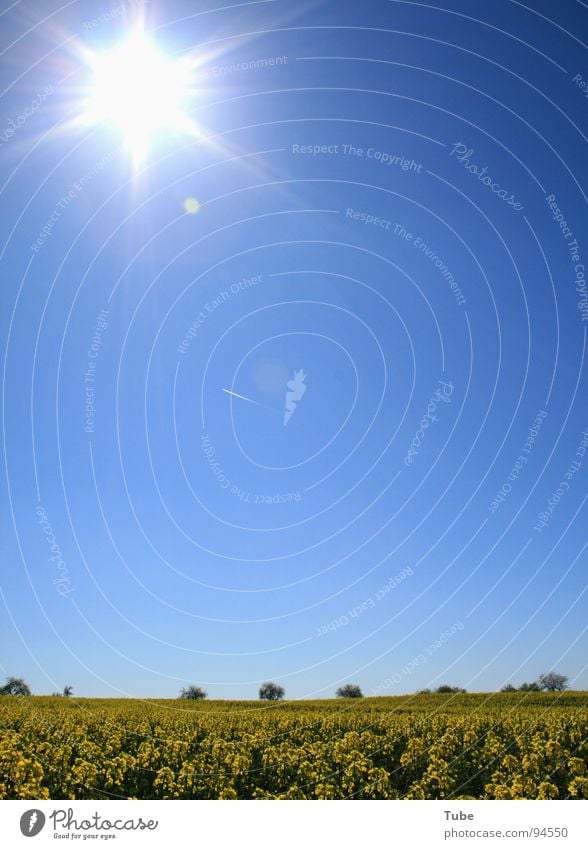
(193, 692)
(349, 691)
(15, 687)
(550, 681)
(271, 692)
(553, 681)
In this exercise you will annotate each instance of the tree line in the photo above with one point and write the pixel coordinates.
(550, 681)
(19, 687)
(269, 691)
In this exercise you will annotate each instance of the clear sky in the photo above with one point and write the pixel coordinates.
(373, 234)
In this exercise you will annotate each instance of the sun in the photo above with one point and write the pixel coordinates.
(140, 92)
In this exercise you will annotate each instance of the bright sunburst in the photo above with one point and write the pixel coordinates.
(140, 92)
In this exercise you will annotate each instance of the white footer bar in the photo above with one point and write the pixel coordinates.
(296, 825)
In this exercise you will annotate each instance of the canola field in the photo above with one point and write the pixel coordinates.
(466, 746)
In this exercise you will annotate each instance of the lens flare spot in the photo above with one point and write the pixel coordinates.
(191, 206)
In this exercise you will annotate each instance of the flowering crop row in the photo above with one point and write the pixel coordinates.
(427, 747)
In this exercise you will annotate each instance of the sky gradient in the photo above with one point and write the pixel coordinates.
(384, 207)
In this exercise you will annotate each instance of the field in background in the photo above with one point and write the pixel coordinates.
(465, 746)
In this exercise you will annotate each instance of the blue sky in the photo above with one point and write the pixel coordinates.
(390, 200)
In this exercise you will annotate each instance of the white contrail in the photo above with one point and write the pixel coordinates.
(243, 398)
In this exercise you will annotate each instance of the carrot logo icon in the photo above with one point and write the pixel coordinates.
(32, 822)
(296, 389)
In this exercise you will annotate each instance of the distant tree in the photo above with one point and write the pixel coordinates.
(349, 691)
(447, 688)
(508, 688)
(425, 692)
(530, 687)
(15, 687)
(271, 692)
(193, 692)
(553, 681)
(67, 691)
